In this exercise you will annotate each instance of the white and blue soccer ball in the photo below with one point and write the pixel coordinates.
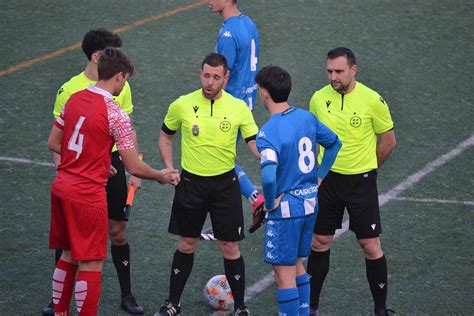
(217, 293)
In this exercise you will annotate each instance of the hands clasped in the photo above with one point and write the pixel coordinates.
(169, 175)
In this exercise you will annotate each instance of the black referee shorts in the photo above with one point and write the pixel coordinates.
(117, 190)
(358, 193)
(195, 196)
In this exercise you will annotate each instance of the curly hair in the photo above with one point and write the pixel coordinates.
(99, 39)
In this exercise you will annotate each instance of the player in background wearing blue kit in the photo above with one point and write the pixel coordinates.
(238, 41)
(290, 178)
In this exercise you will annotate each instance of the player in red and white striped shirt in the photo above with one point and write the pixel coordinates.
(89, 125)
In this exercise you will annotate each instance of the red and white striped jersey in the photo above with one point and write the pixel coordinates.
(92, 122)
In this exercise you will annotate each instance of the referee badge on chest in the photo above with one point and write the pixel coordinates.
(225, 125)
(195, 129)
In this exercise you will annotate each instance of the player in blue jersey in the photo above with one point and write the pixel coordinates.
(290, 178)
(238, 41)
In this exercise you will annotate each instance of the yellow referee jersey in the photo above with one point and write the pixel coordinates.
(209, 131)
(81, 82)
(356, 118)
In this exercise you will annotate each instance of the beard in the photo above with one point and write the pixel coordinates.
(339, 87)
(211, 93)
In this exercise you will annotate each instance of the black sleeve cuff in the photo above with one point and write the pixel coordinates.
(254, 137)
(390, 129)
(168, 131)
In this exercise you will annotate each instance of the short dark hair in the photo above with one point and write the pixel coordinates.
(112, 61)
(343, 52)
(276, 80)
(99, 39)
(215, 60)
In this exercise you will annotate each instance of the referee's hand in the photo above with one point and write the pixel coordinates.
(169, 175)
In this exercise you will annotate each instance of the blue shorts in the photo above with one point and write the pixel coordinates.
(288, 239)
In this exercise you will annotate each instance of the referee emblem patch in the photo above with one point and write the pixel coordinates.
(356, 121)
(195, 129)
(225, 126)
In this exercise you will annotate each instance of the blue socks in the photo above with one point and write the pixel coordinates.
(288, 302)
(295, 301)
(302, 282)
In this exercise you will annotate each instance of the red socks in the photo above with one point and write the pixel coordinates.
(88, 292)
(87, 289)
(63, 282)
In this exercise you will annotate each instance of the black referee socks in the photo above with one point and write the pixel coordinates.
(376, 271)
(235, 274)
(121, 259)
(180, 271)
(318, 268)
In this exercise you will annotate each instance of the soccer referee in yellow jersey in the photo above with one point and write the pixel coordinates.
(93, 43)
(210, 119)
(361, 119)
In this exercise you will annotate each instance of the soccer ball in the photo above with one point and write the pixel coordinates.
(217, 293)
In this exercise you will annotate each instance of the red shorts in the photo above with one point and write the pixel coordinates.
(83, 229)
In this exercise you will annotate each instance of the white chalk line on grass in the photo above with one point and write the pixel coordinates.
(430, 167)
(424, 200)
(392, 194)
(259, 286)
(27, 161)
(433, 201)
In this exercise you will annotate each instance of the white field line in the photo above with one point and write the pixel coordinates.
(267, 280)
(434, 201)
(392, 194)
(426, 200)
(27, 161)
(430, 167)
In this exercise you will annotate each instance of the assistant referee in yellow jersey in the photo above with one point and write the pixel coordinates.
(361, 119)
(210, 119)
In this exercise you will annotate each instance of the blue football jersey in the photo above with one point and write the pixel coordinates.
(289, 140)
(239, 41)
